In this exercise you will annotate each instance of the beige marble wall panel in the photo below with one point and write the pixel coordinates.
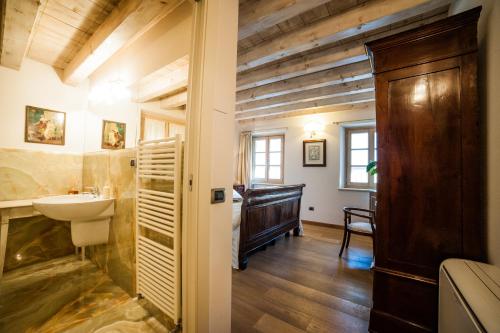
(26, 174)
(117, 258)
(95, 169)
(37, 239)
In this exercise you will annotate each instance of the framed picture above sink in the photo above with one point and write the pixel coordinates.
(44, 126)
(113, 135)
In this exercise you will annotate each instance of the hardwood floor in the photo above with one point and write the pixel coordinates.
(301, 285)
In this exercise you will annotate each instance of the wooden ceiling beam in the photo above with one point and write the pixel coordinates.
(17, 21)
(314, 62)
(360, 19)
(169, 80)
(127, 22)
(161, 91)
(341, 100)
(365, 106)
(323, 59)
(258, 15)
(357, 71)
(343, 89)
(330, 102)
(174, 101)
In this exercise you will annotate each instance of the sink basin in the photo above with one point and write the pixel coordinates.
(89, 215)
(72, 207)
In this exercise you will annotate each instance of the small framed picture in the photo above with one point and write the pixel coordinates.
(44, 126)
(314, 153)
(113, 135)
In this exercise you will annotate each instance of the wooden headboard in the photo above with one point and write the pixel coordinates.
(267, 213)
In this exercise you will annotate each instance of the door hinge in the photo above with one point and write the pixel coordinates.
(190, 183)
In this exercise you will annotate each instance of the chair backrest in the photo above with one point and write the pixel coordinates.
(359, 212)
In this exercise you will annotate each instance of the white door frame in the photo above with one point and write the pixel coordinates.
(209, 164)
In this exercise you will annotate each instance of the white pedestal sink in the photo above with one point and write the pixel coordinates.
(89, 215)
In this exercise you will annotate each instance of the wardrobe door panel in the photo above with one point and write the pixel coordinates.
(423, 160)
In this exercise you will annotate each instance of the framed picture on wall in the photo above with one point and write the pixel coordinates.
(314, 153)
(113, 135)
(44, 126)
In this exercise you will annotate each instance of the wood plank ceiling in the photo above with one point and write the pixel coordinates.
(74, 36)
(299, 57)
(294, 56)
(64, 27)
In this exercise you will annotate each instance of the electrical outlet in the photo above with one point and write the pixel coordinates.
(311, 208)
(132, 162)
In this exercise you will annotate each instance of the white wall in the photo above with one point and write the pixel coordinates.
(489, 81)
(322, 183)
(39, 85)
(166, 42)
(122, 111)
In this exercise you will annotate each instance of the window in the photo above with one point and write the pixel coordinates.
(360, 148)
(154, 129)
(267, 159)
(155, 126)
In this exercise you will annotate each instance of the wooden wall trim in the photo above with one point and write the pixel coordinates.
(323, 224)
(387, 320)
(403, 275)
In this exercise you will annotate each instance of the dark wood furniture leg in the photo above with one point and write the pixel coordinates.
(243, 263)
(343, 241)
(296, 231)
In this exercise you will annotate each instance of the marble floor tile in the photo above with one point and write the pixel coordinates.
(68, 295)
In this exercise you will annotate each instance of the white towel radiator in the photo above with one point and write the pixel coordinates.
(158, 220)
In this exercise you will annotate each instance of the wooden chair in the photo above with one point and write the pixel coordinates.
(358, 227)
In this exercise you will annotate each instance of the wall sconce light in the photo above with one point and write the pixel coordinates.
(110, 92)
(313, 128)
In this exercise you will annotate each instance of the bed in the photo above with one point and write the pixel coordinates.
(263, 215)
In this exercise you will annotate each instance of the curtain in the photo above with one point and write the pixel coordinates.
(244, 159)
(174, 129)
(153, 129)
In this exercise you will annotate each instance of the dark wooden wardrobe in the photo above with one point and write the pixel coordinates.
(429, 164)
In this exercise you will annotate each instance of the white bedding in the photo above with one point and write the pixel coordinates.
(236, 232)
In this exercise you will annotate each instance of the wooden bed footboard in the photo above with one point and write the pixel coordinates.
(267, 213)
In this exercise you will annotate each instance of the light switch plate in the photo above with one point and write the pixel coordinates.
(218, 195)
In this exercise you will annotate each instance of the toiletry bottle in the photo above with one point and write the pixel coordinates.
(106, 192)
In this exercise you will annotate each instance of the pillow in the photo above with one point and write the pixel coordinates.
(236, 196)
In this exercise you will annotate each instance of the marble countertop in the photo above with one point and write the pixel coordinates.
(16, 203)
